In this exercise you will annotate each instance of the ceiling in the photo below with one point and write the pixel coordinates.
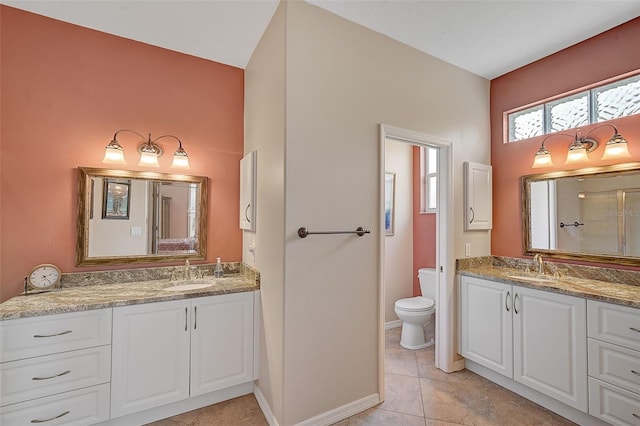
(486, 37)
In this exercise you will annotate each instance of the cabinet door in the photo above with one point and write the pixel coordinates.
(221, 342)
(477, 196)
(248, 192)
(485, 322)
(550, 345)
(150, 356)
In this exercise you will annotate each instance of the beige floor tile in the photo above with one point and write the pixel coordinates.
(392, 337)
(402, 395)
(376, 416)
(400, 361)
(457, 403)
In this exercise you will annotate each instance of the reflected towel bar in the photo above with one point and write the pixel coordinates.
(303, 232)
(576, 224)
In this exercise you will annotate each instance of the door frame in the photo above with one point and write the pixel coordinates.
(445, 262)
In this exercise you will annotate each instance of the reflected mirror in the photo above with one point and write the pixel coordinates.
(127, 216)
(590, 214)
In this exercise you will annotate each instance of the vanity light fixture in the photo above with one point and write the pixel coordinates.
(149, 151)
(616, 148)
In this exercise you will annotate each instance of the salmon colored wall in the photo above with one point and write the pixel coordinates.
(65, 91)
(604, 56)
(424, 229)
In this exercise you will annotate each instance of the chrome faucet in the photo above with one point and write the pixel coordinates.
(537, 259)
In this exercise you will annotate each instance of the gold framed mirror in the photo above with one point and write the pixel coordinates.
(590, 214)
(140, 217)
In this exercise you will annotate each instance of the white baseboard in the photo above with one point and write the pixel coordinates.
(392, 324)
(341, 413)
(547, 402)
(264, 406)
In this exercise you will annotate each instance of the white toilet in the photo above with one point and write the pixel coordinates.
(418, 312)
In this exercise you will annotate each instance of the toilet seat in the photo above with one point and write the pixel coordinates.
(415, 304)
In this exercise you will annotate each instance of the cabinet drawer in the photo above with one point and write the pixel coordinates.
(615, 365)
(42, 376)
(81, 407)
(36, 336)
(615, 324)
(613, 404)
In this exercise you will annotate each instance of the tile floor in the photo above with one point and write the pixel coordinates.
(416, 394)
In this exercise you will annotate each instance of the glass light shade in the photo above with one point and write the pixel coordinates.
(577, 155)
(149, 159)
(180, 160)
(616, 148)
(542, 159)
(113, 153)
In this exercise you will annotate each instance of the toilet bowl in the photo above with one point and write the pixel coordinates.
(416, 313)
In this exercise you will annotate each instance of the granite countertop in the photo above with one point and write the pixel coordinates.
(621, 294)
(81, 298)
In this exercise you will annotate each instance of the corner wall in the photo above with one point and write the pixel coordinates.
(265, 119)
(342, 81)
(604, 56)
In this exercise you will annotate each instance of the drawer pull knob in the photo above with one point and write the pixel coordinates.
(637, 330)
(51, 377)
(637, 416)
(52, 418)
(38, 336)
(635, 372)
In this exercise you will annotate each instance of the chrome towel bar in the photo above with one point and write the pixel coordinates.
(360, 231)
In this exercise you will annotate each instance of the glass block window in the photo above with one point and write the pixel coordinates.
(602, 103)
(567, 113)
(526, 124)
(616, 100)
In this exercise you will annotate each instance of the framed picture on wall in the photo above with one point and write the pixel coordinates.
(116, 199)
(389, 202)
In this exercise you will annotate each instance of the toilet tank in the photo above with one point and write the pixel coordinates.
(427, 278)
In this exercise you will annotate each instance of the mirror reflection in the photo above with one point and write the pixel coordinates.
(129, 216)
(589, 214)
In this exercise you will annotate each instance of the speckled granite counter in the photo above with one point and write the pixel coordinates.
(97, 296)
(624, 291)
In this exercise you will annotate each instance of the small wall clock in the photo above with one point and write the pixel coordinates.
(44, 276)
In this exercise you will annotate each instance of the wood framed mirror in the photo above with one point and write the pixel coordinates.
(590, 214)
(140, 217)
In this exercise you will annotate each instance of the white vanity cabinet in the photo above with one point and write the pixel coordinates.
(168, 351)
(535, 337)
(56, 369)
(614, 363)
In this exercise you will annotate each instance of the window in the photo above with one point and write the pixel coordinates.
(601, 103)
(428, 179)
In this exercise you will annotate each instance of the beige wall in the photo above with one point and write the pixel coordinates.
(398, 248)
(264, 133)
(340, 82)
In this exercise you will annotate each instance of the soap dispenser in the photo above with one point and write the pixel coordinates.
(218, 272)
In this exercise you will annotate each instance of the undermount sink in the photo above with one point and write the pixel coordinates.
(185, 287)
(532, 278)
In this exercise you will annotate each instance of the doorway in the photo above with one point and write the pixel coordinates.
(444, 342)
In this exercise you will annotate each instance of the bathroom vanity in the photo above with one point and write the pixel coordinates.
(569, 344)
(126, 353)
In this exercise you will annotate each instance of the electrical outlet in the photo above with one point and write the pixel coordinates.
(467, 249)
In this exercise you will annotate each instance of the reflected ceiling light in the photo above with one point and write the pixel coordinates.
(616, 148)
(149, 152)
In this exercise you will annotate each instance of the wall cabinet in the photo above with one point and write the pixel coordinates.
(535, 337)
(56, 370)
(477, 197)
(169, 351)
(248, 192)
(614, 363)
